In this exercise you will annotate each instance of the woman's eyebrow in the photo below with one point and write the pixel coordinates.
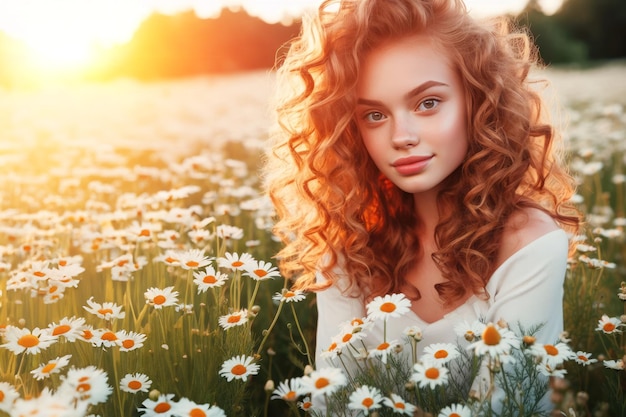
(414, 92)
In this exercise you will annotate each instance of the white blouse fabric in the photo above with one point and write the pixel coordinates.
(526, 289)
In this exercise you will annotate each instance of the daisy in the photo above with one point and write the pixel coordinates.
(86, 384)
(609, 325)
(261, 270)
(546, 369)
(440, 352)
(163, 406)
(49, 404)
(469, 331)
(193, 259)
(456, 410)
(323, 381)
(383, 350)
(70, 329)
(160, 298)
(366, 399)
(227, 232)
(430, 375)
(129, 340)
(104, 338)
(53, 366)
(289, 296)
(239, 367)
(142, 232)
(23, 340)
(391, 305)
(236, 318)
(305, 404)
(200, 237)
(413, 333)
(495, 341)
(584, 358)
(398, 405)
(107, 311)
(552, 355)
(187, 408)
(287, 390)
(236, 262)
(134, 383)
(170, 257)
(618, 365)
(87, 334)
(8, 395)
(209, 278)
(332, 351)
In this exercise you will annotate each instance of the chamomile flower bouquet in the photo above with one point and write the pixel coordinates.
(491, 370)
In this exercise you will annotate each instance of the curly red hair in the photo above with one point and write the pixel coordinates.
(334, 207)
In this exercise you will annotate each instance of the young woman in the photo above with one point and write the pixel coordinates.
(415, 156)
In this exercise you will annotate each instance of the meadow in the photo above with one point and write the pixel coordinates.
(137, 269)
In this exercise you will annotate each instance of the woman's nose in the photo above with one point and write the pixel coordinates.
(405, 133)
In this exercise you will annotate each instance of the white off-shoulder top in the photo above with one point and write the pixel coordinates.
(526, 289)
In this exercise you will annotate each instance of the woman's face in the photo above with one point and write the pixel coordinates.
(411, 113)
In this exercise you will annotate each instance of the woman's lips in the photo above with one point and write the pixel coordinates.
(411, 165)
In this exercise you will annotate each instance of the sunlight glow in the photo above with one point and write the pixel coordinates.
(70, 34)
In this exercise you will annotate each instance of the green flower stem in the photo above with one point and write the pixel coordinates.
(306, 345)
(266, 332)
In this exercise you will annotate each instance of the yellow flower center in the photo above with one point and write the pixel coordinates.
(234, 319)
(289, 294)
(260, 272)
(491, 335)
(388, 307)
(399, 406)
(238, 369)
(192, 264)
(608, 327)
(237, 264)
(455, 415)
(196, 412)
(209, 279)
(162, 407)
(290, 396)
(383, 346)
(551, 350)
(159, 299)
(109, 336)
(432, 373)
(441, 354)
(346, 338)
(368, 402)
(144, 233)
(105, 311)
(62, 329)
(48, 368)
(321, 383)
(128, 343)
(28, 341)
(135, 385)
(582, 358)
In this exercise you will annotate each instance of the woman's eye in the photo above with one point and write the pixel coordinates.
(374, 116)
(428, 104)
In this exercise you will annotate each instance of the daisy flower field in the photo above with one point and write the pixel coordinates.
(138, 278)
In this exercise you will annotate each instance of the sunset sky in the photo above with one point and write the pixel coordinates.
(68, 33)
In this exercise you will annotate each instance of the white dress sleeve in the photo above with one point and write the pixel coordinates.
(335, 305)
(527, 289)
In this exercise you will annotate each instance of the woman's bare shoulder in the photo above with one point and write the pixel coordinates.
(523, 227)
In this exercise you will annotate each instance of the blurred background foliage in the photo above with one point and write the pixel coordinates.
(580, 32)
